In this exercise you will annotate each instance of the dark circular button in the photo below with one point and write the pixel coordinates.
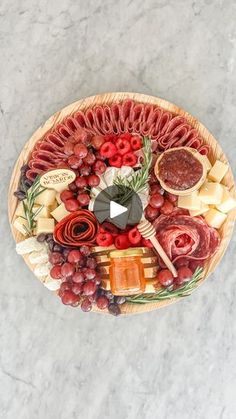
(119, 206)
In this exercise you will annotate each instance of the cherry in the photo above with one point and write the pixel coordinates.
(134, 236)
(80, 150)
(74, 162)
(99, 167)
(86, 305)
(78, 277)
(90, 273)
(91, 263)
(77, 288)
(81, 181)
(93, 180)
(68, 297)
(90, 158)
(67, 269)
(74, 256)
(73, 187)
(172, 198)
(85, 250)
(129, 159)
(151, 213)
(165, 277)
(108, 149)
(89, 288)
(55, 272)
(184, 275)
(69, 148)
(64, 195)
(83, 199)
(71, 205)
(56, 258)
(167, 207)
(156, 200)
(97, 141)
(115, 161)
(102, 302)
(85, 170)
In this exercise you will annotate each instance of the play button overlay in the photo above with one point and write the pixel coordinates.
(116, 209)
(119, 206)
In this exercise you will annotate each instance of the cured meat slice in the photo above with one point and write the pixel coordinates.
(183, 236)
(127, 116)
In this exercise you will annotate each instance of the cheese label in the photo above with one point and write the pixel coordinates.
(57, 179)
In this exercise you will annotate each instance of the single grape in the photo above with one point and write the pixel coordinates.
(114, 309)
(86, 305)
(85, 250)
(67, 269)
(74, 256)
(102, 302)
(89, 288)
(68, 297)
(56, 258)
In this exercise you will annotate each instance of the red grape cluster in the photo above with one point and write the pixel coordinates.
(80, 279)
(160, 201)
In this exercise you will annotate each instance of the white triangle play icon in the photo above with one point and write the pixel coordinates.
(116, 209)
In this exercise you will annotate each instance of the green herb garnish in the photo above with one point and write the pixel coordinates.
(28, 203)
(167, 293)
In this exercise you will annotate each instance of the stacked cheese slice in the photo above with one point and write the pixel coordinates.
(213, 200)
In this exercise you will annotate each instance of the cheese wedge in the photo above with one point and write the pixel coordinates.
(211, 193)
(218, 171)
(46, 197)
(203, 208)
(215, 218)
(60, 212)
(20, 210)
(45, 225)
(205, 161)
(21, 225)
(227, 203)
(190, 202)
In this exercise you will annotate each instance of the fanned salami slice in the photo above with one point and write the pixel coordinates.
(127, 116)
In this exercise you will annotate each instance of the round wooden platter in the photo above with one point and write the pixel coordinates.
(108, 98)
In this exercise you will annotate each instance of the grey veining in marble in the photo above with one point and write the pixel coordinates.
(56, 362)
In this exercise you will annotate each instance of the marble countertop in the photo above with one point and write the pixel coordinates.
(56, 362)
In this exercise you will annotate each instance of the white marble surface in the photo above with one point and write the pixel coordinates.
(176, 363)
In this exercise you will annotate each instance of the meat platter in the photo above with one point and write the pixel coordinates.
(134, 151)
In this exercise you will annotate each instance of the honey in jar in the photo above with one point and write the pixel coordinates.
(127, 272)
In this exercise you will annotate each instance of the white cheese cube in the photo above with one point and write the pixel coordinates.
(60, 212)
(58, 198)
(29, 245)
(20, 210)
(215, 218)
(203, 208)
(46, 197)
(45, 225)
(21, 225)
(211, 193)
(218, 171)
(206, 162)
(190, 202)
(227, 203)
(42, 213)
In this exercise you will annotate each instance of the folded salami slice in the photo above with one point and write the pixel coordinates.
(183, 236)
(127, 116)
(77, 229)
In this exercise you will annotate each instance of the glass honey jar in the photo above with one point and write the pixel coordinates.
(127, 272)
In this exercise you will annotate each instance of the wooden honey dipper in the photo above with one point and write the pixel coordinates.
(147, 230)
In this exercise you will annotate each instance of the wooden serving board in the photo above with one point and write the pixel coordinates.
(108, 98)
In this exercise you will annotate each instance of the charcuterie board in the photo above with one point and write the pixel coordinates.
(98, 143)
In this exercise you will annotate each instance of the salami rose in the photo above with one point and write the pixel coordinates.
(77, 229)
(183, 236)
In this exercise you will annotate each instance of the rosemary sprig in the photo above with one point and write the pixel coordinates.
(28, 203)
(139, 180)
(167, 293)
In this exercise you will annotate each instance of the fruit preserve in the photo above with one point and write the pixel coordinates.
(127, 272)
